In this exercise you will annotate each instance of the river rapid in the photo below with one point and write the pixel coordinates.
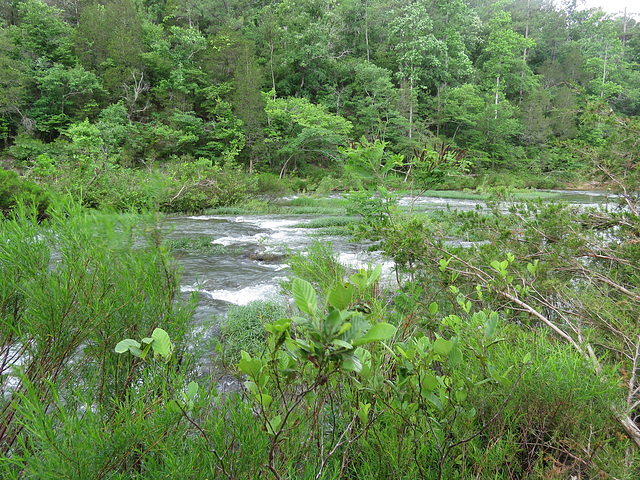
(251, 258)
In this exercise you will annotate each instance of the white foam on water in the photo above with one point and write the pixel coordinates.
(277, 224)
(271, 223)
(292, 234)
(205, 217)
(189, 288)
(276, 267)
(244, 296)
(226, 241)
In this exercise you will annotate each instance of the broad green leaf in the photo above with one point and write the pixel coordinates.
(500, 378)
(345, 327)
(377, 333)
(526, 358)
(248, 365)
(351, 363)
(304, 296)
(278, 326)
(442, 346)
(192, 390)
(292, 347)
(342, 343)
(123, 345)
(359, 326)
(455, 357)
(332, 323)
(161, 343)
(359, 279)
(340, 297)
(434, 400)
(252, 387)
(443, 264)
(429, 382)
(491, 325)
(264, 400)
(423, 345)
(375, 274)
(461, 395)
(364, 355)
(363, 412)
(136, 352)
(433, 308)
(273, 425)
(302, 321)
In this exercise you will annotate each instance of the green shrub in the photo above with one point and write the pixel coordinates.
(319, 265)
(243, 329)
(271, 184)
(69, 291)
(14, 189)
(327, 184)
(213, 187)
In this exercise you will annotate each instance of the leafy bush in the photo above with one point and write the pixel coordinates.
(271, 184)
(207, 187)
(243, 329)
(14, 189)
(318, 265)
(69, 291)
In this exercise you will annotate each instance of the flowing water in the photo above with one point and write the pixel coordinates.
(251, 259)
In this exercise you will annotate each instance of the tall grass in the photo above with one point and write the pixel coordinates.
(243, 329)
(70, 289)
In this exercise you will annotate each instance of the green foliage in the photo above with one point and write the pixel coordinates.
(513, 358)
(70, 290)
(201, 244)
(15, 190)
(297, 126)
(369, 161)
(318, 265)
(66, 94)
(43, 34)
(243, 328)
(196, 186)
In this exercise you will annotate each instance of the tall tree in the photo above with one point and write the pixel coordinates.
(418, 52)
(43, 35)
(299, 132)
(109, 41)
(13, 87)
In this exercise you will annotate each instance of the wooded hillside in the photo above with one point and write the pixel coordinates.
(276, 86)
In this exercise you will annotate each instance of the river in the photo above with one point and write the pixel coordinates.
(232, 275)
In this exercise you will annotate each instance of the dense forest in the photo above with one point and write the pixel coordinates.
(89, 88)
(499, 342)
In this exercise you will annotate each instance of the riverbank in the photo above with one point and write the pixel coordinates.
(447, 357)
(198, 188)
